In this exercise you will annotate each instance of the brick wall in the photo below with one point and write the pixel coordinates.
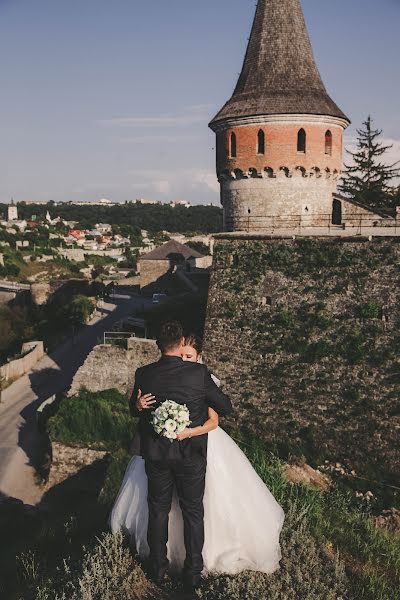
(280, 147)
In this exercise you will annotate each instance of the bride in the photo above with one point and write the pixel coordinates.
(242, 520)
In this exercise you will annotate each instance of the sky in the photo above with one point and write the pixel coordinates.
(102, 99)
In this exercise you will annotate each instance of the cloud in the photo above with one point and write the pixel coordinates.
(207, 179)
(157, 139)
(191, 115)
(177, 183)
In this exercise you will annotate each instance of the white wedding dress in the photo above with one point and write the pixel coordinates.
(242, 520)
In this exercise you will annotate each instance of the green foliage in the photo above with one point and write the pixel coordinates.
(79, 310)
(367, 179)
(371, 310)
(130, 259)
(10, 269)
(131, 217)
(17, 325)
(97, 419)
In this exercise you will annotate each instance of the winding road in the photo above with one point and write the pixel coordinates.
(19, 439)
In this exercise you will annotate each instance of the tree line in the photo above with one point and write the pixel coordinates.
(131, 217)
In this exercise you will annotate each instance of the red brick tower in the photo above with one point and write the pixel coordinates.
(279, 137)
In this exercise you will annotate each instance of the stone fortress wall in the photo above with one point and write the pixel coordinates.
(304, 335)
(109, 367)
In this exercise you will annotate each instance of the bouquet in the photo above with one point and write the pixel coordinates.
(170, 418)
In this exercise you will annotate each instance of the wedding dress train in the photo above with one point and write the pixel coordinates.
(242, 520)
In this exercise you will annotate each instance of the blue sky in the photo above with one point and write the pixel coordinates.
(112, 99)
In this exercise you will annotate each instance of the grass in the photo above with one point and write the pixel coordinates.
(101, 420)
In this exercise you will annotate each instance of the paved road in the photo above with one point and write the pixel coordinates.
(53, 374)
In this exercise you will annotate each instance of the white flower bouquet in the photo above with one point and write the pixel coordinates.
(170, 418)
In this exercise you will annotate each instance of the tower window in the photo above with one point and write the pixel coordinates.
(328, 143)
(233, 149)
(301, 141)
(261, 142)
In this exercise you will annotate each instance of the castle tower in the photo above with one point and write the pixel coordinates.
(12, 212)
(279, 137)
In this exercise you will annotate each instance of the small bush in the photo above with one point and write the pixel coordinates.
(371, 310)
(108, 572)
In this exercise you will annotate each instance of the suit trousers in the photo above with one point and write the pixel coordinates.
(187, 474)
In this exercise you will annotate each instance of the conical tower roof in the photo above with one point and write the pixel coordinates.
(279, 74)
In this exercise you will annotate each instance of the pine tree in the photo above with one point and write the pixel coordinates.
(367, 178)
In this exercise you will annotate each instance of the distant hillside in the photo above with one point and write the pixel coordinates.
(201, 219)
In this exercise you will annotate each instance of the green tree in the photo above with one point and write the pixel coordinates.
(367, 179)
(130, 259)
(79, 310)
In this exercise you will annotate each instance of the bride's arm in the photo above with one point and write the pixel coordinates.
(209, 425)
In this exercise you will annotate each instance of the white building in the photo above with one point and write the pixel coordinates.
(12, 212)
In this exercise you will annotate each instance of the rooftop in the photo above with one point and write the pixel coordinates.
(172, 247)
(279, 74)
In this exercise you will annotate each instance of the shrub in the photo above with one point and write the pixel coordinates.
(371, 310)
(80, 309)
(108, 572)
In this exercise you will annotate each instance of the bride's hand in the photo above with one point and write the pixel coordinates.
(186, 433)
(144, 401)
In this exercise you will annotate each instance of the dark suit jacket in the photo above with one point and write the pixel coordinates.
(188, 383)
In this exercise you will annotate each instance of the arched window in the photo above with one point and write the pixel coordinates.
(301, 141)
(328, 143)
(233, 148)
(261, 142)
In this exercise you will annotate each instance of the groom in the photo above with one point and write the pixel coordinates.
(180, 464)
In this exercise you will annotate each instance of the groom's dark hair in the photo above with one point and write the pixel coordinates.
(169, 336)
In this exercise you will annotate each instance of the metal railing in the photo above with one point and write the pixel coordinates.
(114, 337)
(324, 221)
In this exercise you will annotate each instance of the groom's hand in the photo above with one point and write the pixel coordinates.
(145, 401)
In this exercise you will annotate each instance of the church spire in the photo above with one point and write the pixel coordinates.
(279, 74)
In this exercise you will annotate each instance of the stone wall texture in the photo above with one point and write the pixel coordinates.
(282, 201)
(305, 335)
(19, 367)
(109, 367)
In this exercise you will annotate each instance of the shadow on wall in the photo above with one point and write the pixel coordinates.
(189, 309)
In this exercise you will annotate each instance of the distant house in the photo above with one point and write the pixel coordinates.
(103, 228)
(166, 259)
(78, 234)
